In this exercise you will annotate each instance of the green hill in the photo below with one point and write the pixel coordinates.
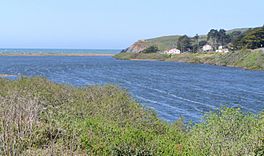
(164, 42)
(237, 29)
(169, 42)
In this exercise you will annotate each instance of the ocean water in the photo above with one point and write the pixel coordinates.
(172, 89)
(59, 51)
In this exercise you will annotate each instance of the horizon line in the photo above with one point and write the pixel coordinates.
(62, 48)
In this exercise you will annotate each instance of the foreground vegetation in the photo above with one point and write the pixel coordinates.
(38, 117)
(247, 59)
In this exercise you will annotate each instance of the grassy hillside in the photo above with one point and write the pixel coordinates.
(164, 42)
(247, 59)
(167, 42)
(243, 30)
(38, 117)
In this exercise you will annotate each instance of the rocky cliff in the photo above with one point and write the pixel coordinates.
(163, 43)
(137, 47)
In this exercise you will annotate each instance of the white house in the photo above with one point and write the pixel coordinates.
(172, 51)
(222, 50)
(207, 48)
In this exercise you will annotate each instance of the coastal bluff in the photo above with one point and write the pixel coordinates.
(137, 47)
(163, 43)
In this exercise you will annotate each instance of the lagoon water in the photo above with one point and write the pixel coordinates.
(172, 89)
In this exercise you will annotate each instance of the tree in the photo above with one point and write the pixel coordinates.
(202, 43)
(184, 43)
(235, 35)
(217, 38)
(212, 38)
(252, 39)
(223, 38)
(151, 49)
(238, 42)
(196, 47)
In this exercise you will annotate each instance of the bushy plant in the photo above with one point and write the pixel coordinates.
(226, 132)
(151, 49)
(38, 117)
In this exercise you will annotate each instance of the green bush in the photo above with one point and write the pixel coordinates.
(151, 49)
(38, 117)
(226, 132)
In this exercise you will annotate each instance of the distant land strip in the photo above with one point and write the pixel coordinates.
(53, 54)
(5, 75)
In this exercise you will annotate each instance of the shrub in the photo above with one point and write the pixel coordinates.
(151, 49)
(38, 117)
(226, 132)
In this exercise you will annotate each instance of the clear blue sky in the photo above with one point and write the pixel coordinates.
(117, 23)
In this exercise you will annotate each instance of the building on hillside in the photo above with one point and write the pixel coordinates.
(261, 49)
(207, 48)
(172, 51)
(221, 49)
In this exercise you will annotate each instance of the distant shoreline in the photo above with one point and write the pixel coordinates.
(53, 54)
(5, 75)
(143, 59)
(246, 59)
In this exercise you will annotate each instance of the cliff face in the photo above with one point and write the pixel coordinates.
(137, 47)
(163, 43)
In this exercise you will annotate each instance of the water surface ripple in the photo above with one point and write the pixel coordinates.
(172, 89)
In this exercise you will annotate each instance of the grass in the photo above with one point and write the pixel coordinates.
(38, 117)
(247, 59)
(167, 42)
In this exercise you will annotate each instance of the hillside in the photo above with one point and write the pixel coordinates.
(237, 29)
(163, 43)
(248, 59)
(169, 42)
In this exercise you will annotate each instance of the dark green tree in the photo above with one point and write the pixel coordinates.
(151, 49)
(202, 43)
(235, 35)
(223, 38)
(252, 39)
(213, 38)
(184, 43)
(217, 38)
(196, 39)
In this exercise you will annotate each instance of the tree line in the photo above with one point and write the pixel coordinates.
(250, 39)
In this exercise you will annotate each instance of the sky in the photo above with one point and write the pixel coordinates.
(115, 24)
